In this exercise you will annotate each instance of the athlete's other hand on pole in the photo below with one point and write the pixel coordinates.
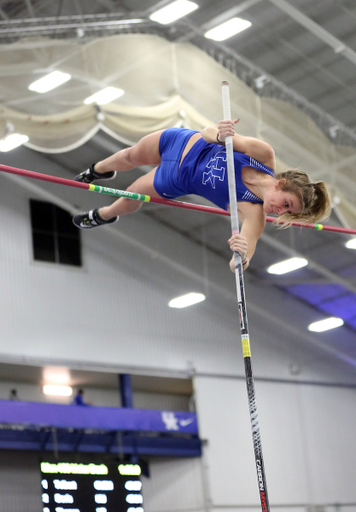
(238, 243)
(226, 128)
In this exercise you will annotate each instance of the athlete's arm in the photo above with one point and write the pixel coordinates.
(253, 224)
(255, 148)
(209, 134)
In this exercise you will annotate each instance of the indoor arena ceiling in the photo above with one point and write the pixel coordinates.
(302, 51)
(308, 46)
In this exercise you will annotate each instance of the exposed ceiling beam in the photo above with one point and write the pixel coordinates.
(3, 15)
(336, 44)
(34, 45)
(221, 18)
(230, 13)
(155, 7)
(110, 5)
(281, 90)
(30, 8)
(44, 25)
(290, 281)
(313, 265)
(78, 7)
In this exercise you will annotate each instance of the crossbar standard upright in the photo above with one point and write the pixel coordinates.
(240, 289)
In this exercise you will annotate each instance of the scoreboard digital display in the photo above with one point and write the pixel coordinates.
(73, 487)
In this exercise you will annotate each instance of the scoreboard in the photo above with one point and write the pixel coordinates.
(73, 487)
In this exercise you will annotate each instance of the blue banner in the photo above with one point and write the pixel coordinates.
(99, 418)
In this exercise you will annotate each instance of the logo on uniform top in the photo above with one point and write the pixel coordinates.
(217, 170)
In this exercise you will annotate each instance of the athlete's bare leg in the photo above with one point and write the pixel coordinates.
(123, 206)
(145, 152)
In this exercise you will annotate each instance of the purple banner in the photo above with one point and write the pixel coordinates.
(99, 418)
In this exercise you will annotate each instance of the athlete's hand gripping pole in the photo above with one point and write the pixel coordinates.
(240, 289)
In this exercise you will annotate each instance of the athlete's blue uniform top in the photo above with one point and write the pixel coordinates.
(203, 171)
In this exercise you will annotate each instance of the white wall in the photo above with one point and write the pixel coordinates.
(98, 396)
(308, 443)
(112, 314)
(118, 302)
(20, 482)
(174, 485)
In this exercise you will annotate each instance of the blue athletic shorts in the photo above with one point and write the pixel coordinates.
(171, 146)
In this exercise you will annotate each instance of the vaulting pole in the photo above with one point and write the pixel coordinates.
(240, 289)
(149, 199)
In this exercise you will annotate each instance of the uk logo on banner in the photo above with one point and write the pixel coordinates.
(170, 420)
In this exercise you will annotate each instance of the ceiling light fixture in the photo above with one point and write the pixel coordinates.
(49, 82)
(333, 130)
(12, 141)
(260, 81)
(173, 11)
(227, 29)
(56, 390)
(186, 300)
(56, 375)
(105, 96)
(287, 266)
(351, 244)
(325, 325)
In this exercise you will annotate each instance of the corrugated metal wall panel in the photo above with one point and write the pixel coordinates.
(160, 401)
(118, 301)
(66, 313)
(174, 486)
(224, 422)
(307, 439)
(20, 482)
(329, 419)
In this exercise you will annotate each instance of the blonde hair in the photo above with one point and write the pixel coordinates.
(315, 198)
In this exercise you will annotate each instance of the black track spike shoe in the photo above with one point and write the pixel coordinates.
(91, 219)
(89, 176)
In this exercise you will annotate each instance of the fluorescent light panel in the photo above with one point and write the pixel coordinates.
(49, 82)
(12, 141)
(325, 325)
(227, 29)
(173, 11)
(56, 390)
(351, 244)
(56, 375)
(105, 96)
(287, 266)
(186, 300)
